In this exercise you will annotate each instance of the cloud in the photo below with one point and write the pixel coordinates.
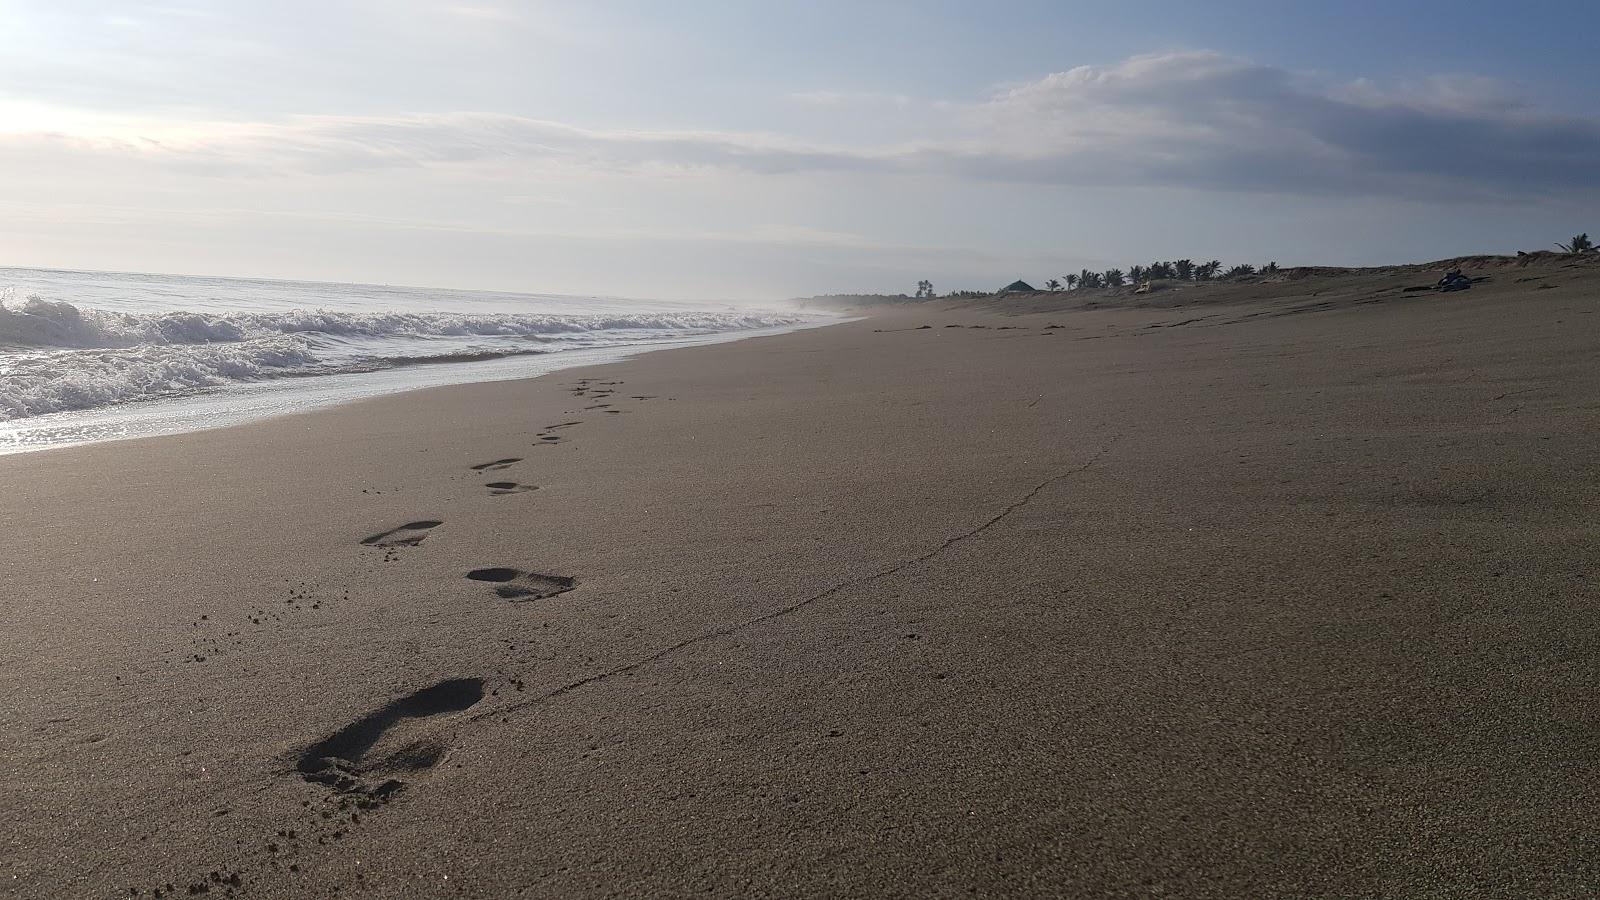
(1216, 122)
(850, 98)
(482, 13)
(1201, 121)
(336, 144)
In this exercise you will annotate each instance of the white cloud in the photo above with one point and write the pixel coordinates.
(332, 144)
(483, 13)
(1201, 121)
(850, 98)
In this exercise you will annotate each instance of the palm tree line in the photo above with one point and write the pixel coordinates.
(1176, 270)
(1188, 270)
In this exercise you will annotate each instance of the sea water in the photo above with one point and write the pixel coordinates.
(90, 356)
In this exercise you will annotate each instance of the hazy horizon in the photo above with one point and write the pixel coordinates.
(774, 151)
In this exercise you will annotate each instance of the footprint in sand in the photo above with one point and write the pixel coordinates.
(496, 465)
(515, 584)
(407, 535)
(549, 437)
(501, 488)
(369, 756)
(597, 388)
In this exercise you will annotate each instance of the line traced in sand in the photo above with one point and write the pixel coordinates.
(801, 604)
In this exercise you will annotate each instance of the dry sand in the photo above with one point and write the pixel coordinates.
(1283, 591)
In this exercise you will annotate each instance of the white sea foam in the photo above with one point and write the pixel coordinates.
(52, 323)
(79, 341)
(34, 384)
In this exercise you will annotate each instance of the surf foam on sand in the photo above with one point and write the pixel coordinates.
(87, 356)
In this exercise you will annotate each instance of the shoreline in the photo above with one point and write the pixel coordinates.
(1272, 595)
(228, 405)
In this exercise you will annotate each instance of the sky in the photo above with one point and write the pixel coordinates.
(713, 149)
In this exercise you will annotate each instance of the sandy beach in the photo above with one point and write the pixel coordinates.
(1273, 590)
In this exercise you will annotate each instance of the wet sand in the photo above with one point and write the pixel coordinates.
(1288, 590)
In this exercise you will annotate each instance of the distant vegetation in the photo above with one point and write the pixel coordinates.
(1160, 270)
(858, 299)
(1579, 244)
(1189, 270)
(1136, 275)
(924, 292)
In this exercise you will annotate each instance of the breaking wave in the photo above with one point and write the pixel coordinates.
(46, 323)
(56, 357)
(32, 385)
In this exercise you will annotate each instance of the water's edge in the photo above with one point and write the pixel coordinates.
(238, 404)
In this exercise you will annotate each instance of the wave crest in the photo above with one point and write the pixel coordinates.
(46, 323)
(62, 357)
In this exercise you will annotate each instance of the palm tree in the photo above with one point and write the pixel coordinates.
(1137, 274)
(1052, 285)
(1243, 270)
(1269, 268)
(1160, 270)
(1208, 271)
(1089, 279)
(1114, 278)
(1580, 244)
(1071, 280)
(1184, 269)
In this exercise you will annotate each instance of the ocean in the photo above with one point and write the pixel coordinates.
(91, 356)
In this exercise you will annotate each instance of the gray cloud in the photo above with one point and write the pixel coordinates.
(1196, 120)
(1213, 122)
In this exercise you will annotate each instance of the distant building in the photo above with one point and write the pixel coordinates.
(1018, 287)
